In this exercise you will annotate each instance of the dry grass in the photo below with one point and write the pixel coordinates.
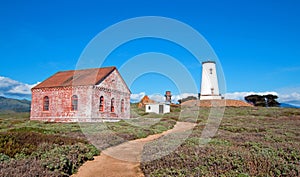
(249, 142)
(58, 149)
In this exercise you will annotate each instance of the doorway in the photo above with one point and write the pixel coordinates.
(161, 109)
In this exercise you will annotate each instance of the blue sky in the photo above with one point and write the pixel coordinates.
(257, 42)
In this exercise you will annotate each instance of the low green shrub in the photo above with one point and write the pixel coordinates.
(66, 159)
(12, 143)
(249, 142)
(26, 167)
(4, 157)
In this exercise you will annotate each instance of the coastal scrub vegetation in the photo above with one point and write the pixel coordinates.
(250, 141)
(33, 148)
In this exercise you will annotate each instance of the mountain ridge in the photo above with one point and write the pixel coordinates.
(16, 105)
(288, 105)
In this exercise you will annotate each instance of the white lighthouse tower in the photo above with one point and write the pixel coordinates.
(209, 82)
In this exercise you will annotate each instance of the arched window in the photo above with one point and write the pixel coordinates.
(46, 103)
(210, 70)
(101, 104)
(74, 103)
(112, 106)
(122, 105)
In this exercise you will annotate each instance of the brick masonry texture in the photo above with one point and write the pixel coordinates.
(111, 87)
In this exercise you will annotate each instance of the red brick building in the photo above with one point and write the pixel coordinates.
(81, 96)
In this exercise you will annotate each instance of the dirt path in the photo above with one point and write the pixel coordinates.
(127, 163)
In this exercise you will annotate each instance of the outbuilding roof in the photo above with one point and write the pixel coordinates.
(76, 78)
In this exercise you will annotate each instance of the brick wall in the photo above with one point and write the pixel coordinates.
(88, 101)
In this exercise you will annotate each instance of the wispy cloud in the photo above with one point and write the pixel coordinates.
(136, 97)
(175, 98)
(241, 95)
(159, 97)
(14, 89)
(283, 97)
(291, 98)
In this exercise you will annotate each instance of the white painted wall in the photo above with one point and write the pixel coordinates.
(209, 82)
(155, 108)
(166, 108)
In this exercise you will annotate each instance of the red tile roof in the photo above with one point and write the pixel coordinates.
(76, 78)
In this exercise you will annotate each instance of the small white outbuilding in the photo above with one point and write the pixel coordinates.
(158, 108)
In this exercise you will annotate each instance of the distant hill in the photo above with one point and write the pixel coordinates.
(10, 104)
(286, 105)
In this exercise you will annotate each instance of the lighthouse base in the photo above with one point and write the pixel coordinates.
(211, 97)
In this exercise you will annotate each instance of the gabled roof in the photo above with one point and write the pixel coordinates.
(76, 78)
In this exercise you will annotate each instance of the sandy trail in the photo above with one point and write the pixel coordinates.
(107, 166)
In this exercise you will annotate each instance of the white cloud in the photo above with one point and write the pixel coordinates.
(175, 98)
(21, 89)
(159, 97)
(136, 97)
(283, 97)
(291, 98)
(7, 82)
(14, 89)
(241, 95)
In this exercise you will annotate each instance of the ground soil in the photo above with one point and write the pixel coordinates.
(124, 160)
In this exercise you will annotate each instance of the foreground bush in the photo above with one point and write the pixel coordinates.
(12, 143)
(32, 148)
(48, 160)
(66, 159)
(225, 161)
(249, 142)
(25, 168)
(42, 154)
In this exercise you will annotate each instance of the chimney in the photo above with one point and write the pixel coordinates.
(168, 96)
